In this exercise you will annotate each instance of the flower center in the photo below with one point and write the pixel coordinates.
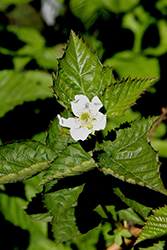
(86, 120)
(85, 117)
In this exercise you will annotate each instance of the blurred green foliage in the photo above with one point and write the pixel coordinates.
(130, 36)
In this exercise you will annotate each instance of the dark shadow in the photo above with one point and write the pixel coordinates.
(13, 237)
(151, 37)
(36, 206)
(15, 189)
(28, 119)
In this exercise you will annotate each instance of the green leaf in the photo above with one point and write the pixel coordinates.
(16, 2)
(41, 137)
(67, 227)
(72, 161)
(59, 137)
(157, 246)
(89, 11)
(130, 215)
(34, 48)
(43, 243)
(30, 186)
(118, 239)
(44, 217)
(20, 161)
(16, 88)
(125, 233)
(80, 72)
(110, 209)
(30, 36)
(59, 201)
(161, 6)
(119, 96)
(131, 158)
(137, 207)
(47, 58)
(127, 63)
(118, 6)
(160, 145)
(156, 225)
(88, 240)
(26, 16)
(12, 211)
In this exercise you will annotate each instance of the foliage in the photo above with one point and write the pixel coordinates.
(95, 193)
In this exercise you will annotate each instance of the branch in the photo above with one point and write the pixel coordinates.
(162, 117)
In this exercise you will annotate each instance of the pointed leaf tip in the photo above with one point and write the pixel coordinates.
(119, 96)
(80, 72)
(131, 158)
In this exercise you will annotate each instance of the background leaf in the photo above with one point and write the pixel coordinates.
(161, 146)
(131, 158)
(90, 11)
(137, 207)
(20, 161)
(130, 215)
(127, 63)
(12, 211)
(17, 88)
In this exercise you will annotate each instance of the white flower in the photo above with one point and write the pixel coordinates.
(87, 120)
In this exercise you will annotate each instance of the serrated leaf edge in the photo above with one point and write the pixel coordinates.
(55, 76)
(5, 179)
(56, 222)
(130, 180)
(59, 176)
(153, 211)
(139, 96)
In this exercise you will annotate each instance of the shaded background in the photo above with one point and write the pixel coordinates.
(129, 35)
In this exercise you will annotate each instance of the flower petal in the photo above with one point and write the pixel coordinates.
(79, 133)
(96, 103)
(100, 122)
(69, 123)
(79, 105)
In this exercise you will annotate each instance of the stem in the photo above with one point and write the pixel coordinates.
(162, 117)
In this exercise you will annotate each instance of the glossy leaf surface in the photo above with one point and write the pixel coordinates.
(131, 158)
(121, 95)
(22, 160)
(72, 161)
(59, 201)
(80, 72)
(67, 227)
(156, 225)
(59, 137)
(12, 211)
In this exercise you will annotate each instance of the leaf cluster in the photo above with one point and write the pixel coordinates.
(84, 183)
